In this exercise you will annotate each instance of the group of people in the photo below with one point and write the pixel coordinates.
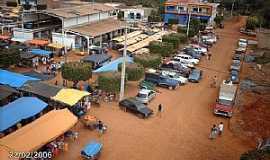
(216, 130)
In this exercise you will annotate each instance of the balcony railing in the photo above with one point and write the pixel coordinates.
(186, 12)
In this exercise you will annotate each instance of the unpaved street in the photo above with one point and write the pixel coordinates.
(182, 131)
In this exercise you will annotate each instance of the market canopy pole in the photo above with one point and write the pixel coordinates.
(123, 70)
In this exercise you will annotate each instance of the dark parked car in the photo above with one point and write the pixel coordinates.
(177, 67)
(195, 76)
(237, 57)
(191, 52)
(135, 106)
(160, 80)
(234, 76)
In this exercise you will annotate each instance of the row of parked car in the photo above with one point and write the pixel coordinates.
(173, 72)
(228, 89)
(237, 59)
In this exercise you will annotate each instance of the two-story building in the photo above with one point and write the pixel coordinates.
(179, 10)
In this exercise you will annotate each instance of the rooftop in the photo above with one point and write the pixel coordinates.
(99, 28)
(82, 10)
(191, 2)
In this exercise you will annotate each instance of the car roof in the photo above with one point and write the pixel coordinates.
(181, 54)
(144, 91)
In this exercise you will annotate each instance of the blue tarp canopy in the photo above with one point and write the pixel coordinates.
(113, 65)
(91, 149)
(40, 52)
(22, 108)
(14, 79)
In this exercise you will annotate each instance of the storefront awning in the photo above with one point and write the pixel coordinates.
(99, 28)
(20, 109)
(70, 96)
(41, 52)
(38, 42)
(22, 40)
(55, 45)
(6, 91)
(41, 88)
(38, 133)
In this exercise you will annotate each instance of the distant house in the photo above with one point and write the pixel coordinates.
(178, 11)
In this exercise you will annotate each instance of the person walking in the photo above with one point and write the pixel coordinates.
(100, 127)
(209, 56)
(213, 132)
(220, 128)
(214, 82)
(160, 110)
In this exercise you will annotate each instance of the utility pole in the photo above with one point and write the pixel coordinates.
(123, 69)
(232, 8)
(189, 15)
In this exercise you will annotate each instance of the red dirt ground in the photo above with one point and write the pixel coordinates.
(182, 131)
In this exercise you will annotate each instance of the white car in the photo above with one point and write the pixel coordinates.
(174, 76)
(242, 43)
(199, 49)
(145, 96)
(178, 61)
(210, 39)
(187, 58)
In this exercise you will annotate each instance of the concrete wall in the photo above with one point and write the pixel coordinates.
(34, 17)
(69, 40)
(85, 19)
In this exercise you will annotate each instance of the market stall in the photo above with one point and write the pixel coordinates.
(97, 60)
(14, 79)
(73, 98)
(7, 94)
(18, 110)
(40, 132)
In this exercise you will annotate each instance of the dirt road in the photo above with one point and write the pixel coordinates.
(182, 131)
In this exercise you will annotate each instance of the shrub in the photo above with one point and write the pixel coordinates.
(76, 71)
(218, 19)
(109, 82)
(134, 71)
(148, 60)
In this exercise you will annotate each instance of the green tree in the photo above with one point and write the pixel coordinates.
(76, 71)
(218, 20)
(252, 23)
(163, 49)
(174, 38)
(171, 39)
(154, 16)
(109, 82)
(148, 60)
(134, 71)
(120, 15)
(9, 57)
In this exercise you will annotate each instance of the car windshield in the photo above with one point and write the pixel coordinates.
(225, 102)
(140, 95)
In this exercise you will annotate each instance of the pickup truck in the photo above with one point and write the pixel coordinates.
(225, 101)
(161, 80)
